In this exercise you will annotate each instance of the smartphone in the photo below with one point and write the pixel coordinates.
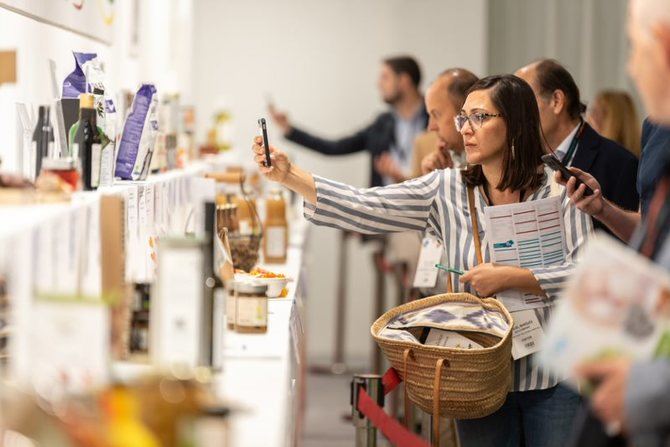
(555, 164)
(264, 129)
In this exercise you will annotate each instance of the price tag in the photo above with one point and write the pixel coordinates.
(431, 252)
(527, 334)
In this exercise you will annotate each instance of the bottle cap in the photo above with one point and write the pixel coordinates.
(86, 101)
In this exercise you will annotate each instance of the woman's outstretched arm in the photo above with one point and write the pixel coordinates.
(408, 206)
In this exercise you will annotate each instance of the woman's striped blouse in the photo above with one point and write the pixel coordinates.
(438, 202)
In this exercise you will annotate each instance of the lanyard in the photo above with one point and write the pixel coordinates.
(567, 160)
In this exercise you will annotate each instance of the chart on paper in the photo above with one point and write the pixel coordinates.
(528, 235)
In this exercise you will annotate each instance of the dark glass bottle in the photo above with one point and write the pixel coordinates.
(86, 142)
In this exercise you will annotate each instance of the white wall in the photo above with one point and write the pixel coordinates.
(587, 36)
(163, 57)
(319, 60)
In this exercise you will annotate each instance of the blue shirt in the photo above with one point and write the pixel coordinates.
(655, 155)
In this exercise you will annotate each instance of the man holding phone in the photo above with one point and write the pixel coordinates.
(390, 137)
(573, 141)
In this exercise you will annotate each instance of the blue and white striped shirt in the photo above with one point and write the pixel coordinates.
(439, 201)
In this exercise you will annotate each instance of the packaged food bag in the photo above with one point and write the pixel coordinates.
(86, 64)
(138, 136)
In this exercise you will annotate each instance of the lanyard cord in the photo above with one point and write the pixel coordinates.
(573, 145)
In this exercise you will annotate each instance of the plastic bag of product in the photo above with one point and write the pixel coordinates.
(138, 137)
(86, 64)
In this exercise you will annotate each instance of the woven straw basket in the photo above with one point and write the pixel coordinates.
(472, 383)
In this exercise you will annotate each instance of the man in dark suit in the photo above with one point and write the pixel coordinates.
(574, 141)
(390, 137)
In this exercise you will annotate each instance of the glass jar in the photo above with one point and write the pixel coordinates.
(226, 217)
(251, 308)
(275, 243)
(229, 190)
(64, 168)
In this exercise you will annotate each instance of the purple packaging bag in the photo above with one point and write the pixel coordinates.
(138, 135)
(75, 83)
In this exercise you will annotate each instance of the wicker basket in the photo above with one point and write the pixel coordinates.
(472, 383)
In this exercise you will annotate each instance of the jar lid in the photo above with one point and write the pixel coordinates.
(59, 164)
(250, 287)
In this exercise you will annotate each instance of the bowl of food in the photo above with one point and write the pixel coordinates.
(276, 282)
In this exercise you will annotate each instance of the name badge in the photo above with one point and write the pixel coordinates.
(431, 253)
(527, 334)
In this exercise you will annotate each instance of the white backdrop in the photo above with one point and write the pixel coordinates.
(319, 60)
(587, 36)
(163, 56)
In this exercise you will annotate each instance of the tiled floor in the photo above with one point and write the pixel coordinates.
(327, 405)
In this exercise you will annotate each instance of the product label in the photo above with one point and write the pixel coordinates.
(96, 155)
(251, 311)
(275, 242)
(231, 308)
(75, 151)
(107, 165)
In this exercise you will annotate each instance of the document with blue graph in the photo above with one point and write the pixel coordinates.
(529, 235)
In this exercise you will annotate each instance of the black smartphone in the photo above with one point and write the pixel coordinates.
(264, 128)
(555, 164)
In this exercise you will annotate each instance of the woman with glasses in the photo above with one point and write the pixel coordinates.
(500, 126)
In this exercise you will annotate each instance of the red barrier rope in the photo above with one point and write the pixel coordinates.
(398, 435)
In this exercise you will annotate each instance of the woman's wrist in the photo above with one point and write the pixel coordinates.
(520, 278)
(301, 182)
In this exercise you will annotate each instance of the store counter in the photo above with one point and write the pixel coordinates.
(262, 374)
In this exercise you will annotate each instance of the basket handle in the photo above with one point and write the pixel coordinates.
(436, 400)
(407, 353)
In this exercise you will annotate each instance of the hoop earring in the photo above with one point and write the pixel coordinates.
(513, 152)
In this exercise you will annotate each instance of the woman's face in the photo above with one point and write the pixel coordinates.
(485, 144)
(595, 116)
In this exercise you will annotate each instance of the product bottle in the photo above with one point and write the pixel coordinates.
(212, 285)
(43, 140)
(275, 241)
(86, 142)
(125, 428)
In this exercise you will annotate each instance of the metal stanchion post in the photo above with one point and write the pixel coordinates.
(366, 433)
(380, 298)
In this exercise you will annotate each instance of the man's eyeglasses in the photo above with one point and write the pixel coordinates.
(476, 120)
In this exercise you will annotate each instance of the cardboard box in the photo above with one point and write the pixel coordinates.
(113, 260)
(8, 67)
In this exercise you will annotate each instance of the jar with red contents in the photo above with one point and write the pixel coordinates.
(65, 168)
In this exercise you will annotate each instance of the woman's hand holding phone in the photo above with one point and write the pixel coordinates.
(280, 164)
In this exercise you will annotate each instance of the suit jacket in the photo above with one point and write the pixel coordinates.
(612, 165)
(375, 138)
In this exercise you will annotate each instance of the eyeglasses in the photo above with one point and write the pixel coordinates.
(476, 120)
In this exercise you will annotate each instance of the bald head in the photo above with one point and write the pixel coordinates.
(649, 13)
(444, 99)
(649, 57)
